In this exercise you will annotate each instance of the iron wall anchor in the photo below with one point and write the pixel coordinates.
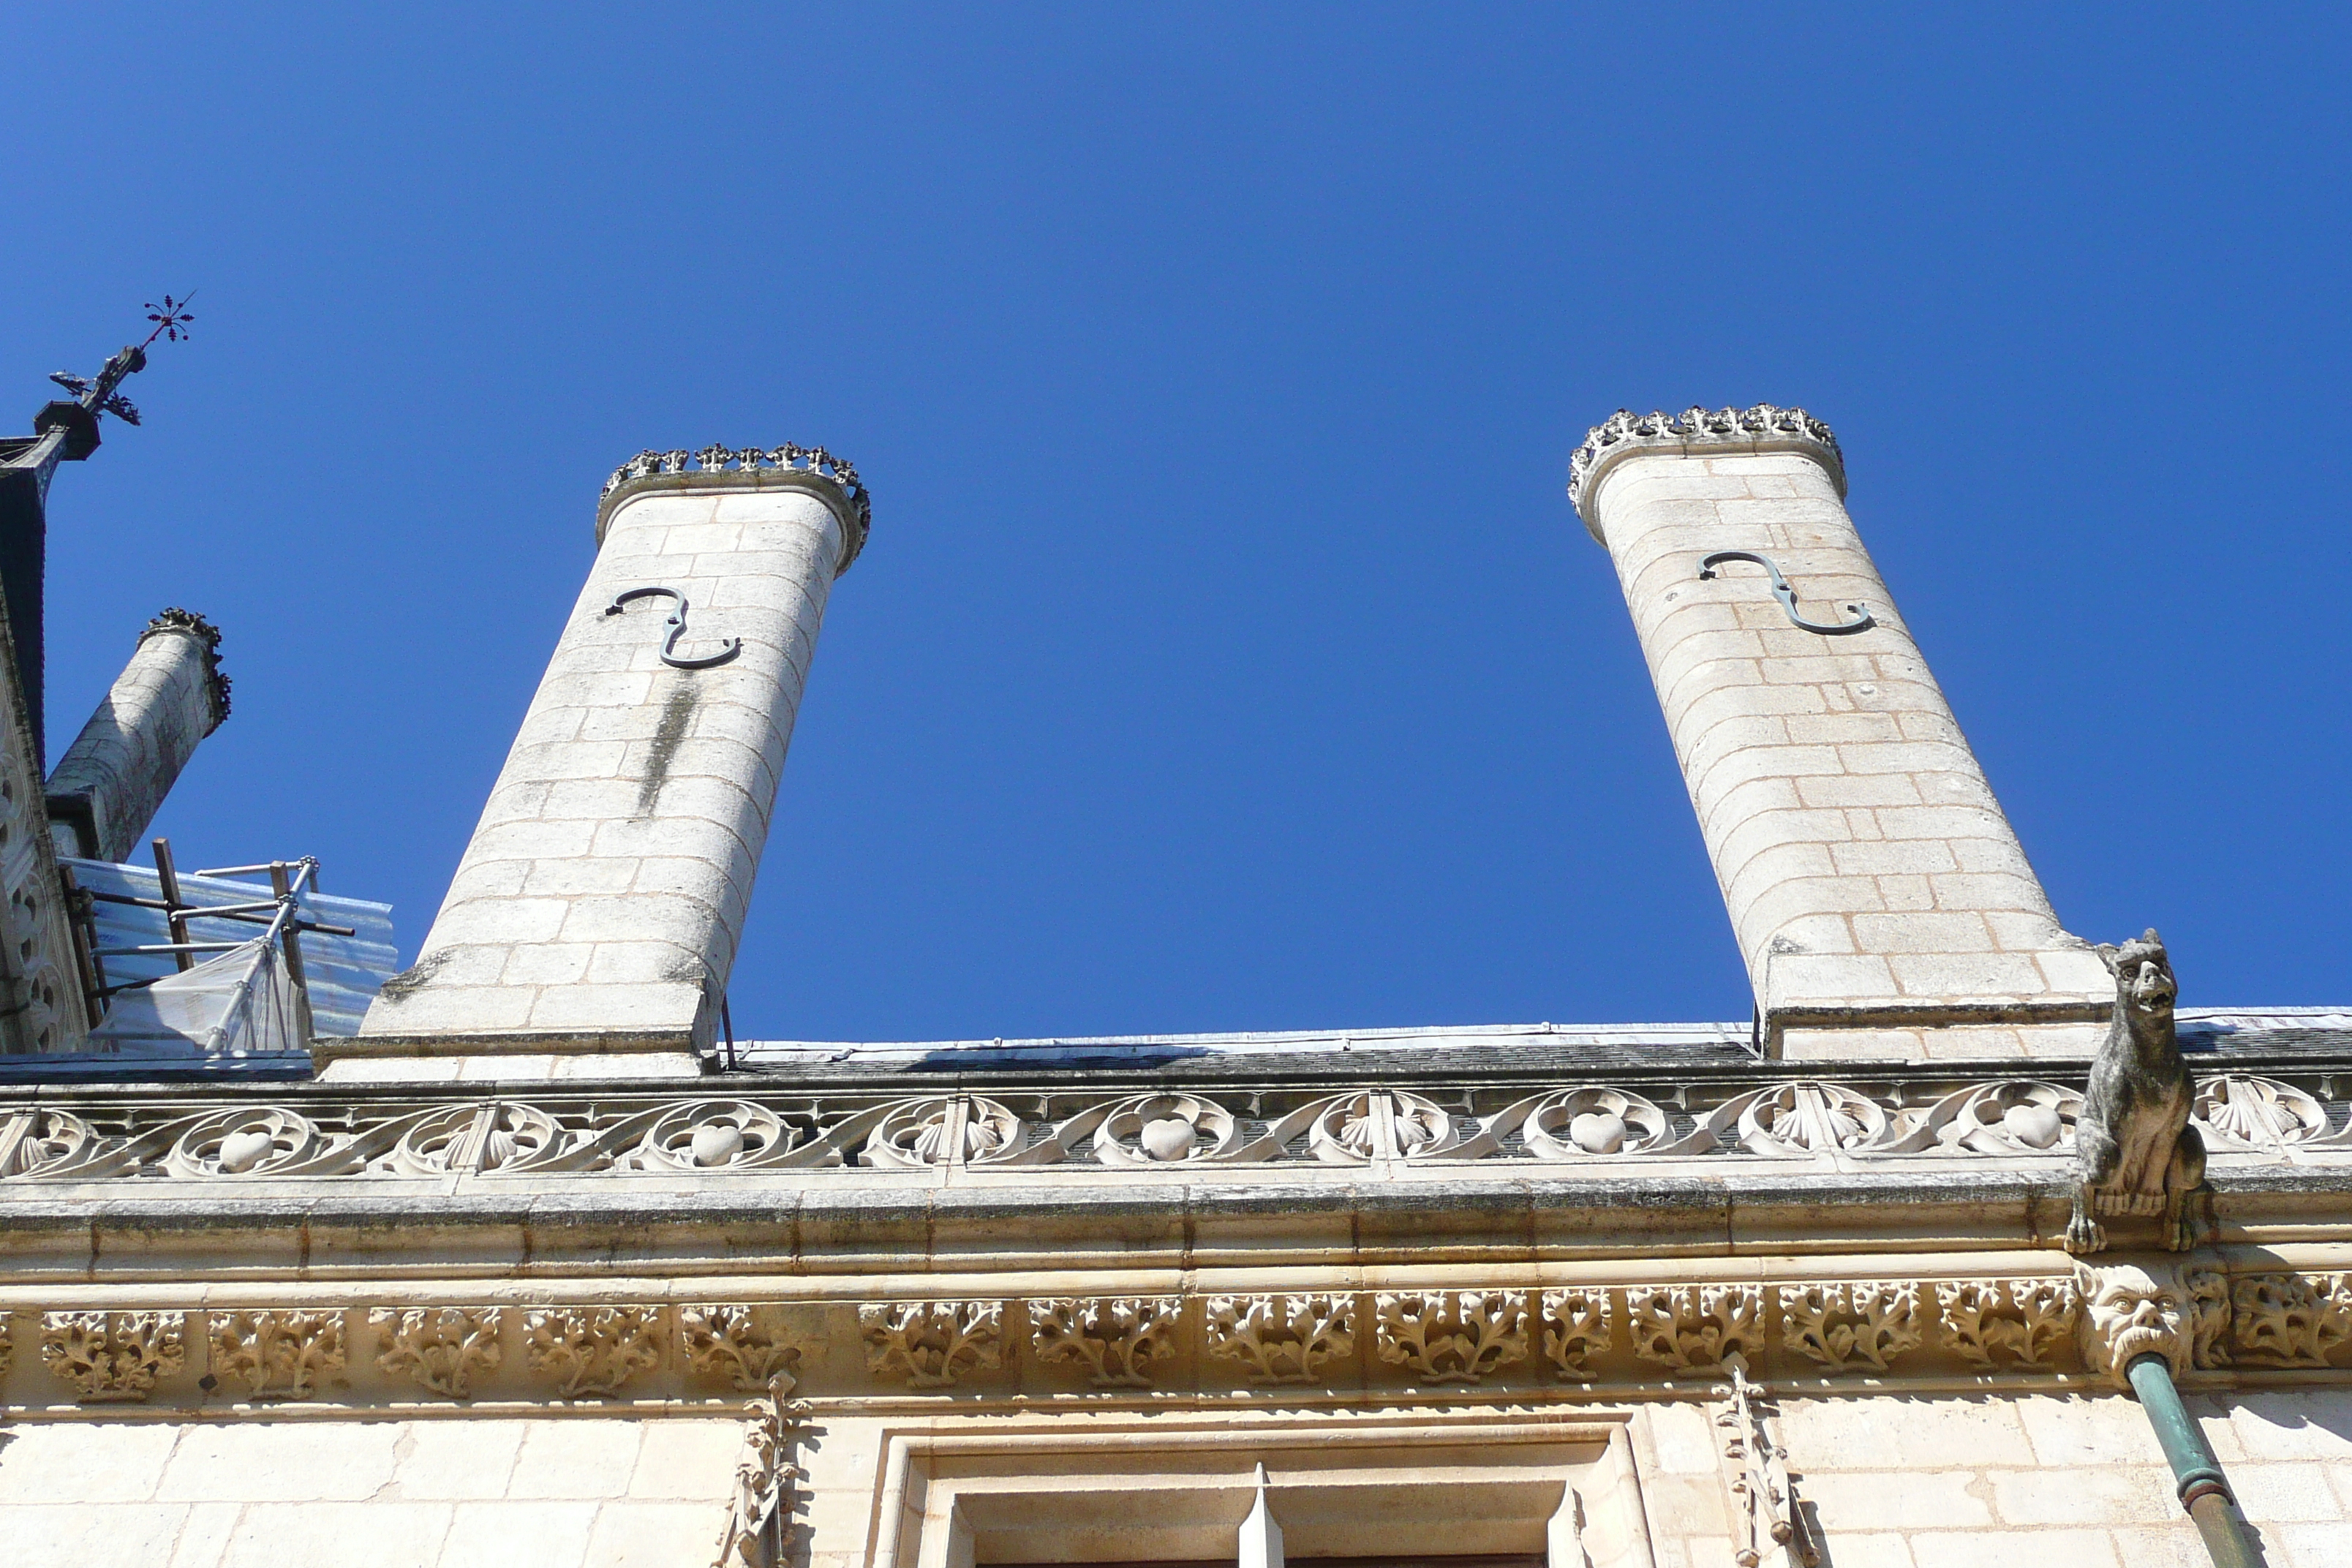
(1788, 595)
(675, 622)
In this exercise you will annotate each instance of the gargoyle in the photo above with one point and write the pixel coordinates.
(2135, 1153)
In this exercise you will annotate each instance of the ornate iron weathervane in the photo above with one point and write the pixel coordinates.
(100, 396)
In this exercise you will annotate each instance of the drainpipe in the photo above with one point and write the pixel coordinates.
(2204, 1490)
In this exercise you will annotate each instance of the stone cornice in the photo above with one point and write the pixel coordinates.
(753, 467)
(1899, 1323)
(1698, 432)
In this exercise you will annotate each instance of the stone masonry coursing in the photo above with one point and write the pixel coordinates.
(1871, 875)
(604, 891)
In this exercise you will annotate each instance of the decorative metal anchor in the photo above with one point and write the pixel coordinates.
(677, 625)
(1788, 595)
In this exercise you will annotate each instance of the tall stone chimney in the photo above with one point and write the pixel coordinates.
(597, 911)
(113, 779)
(1879, 896)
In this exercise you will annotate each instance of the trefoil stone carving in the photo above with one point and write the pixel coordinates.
(1280, 1339)
(1843, 1326)
(1692, 1327)
(933, 1342)
(1576, 1328)
(111, 1356)
(276, 1355)
(592, 1349)
(1450, 1336)
(443, 1348)
(1986, 1321)
(1111, 1337)
(738, 1344)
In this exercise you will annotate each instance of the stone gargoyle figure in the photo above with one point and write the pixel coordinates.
(2135, 1153)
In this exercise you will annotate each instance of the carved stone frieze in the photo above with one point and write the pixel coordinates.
(1112, 1337)
(443, 1349)
(2017, 1321)
(1281, 1338)
(932, 1342)
(747, 1346)
(1575, 1329)
(1694, 1327)
(592, 1350)
(2288, 1320)
(1450, 1336)
(276, 1355)
(107, 1356)
(1843, 1326)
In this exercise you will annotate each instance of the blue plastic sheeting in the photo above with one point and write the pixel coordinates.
(343, 972)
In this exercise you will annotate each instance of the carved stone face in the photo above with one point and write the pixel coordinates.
(2131, 1312)
(2143, 973)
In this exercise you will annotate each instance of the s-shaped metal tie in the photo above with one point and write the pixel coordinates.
(1788, 595)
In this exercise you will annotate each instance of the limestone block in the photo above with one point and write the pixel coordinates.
(627, 757)
(1973, 1549)
(586, 1459)
(381, 1534)
(456, 1461)
(103, 1462)
(688, 1460)
(520, 1535)
(280, 1461)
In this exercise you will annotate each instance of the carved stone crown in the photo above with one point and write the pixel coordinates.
(175, 619)
(814, 461)
(1762, 428)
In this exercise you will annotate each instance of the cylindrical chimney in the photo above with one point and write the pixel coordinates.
(1879, 896)
(109, 785)
(598, 907)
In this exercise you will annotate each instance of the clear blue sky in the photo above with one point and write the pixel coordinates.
(1227, 654)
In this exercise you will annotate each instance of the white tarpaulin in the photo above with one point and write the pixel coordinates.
(237, 1003)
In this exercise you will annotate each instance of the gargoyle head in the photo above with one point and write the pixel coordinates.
(2130, 1312)
(2143, 985)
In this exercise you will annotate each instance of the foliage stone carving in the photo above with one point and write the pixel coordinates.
(734, 1343)
(113, 1357)
(933, 1342)
(1450, 1336)
(592, 1349)
(1845, 1325)
(1694, 1327)
(443, 1348)
(1575, 1329)
(1281, 1339)
(276, 1355)
(2286, 1320)
(2022, 1320)
(1111, 1337)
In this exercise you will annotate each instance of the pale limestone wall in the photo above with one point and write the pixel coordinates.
(606, 887)
(449, 1493)
(1863, 859)
(1960, 1481)
(112, 780)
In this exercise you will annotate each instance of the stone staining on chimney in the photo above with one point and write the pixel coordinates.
(111, 781)
(594, 917)
(1878, 894)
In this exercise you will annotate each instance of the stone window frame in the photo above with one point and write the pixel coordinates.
(1487, 1482)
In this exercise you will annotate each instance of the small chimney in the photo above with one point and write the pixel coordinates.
(1879, 896)
(109, 785)
(597, 911)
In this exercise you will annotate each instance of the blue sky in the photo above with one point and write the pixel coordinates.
(1227, 654)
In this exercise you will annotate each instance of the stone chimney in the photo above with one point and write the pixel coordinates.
(111, 783)
(1878, 894)
(597, 911)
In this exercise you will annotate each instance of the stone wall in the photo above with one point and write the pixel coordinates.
(448, 1493)
(1960, 1481)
